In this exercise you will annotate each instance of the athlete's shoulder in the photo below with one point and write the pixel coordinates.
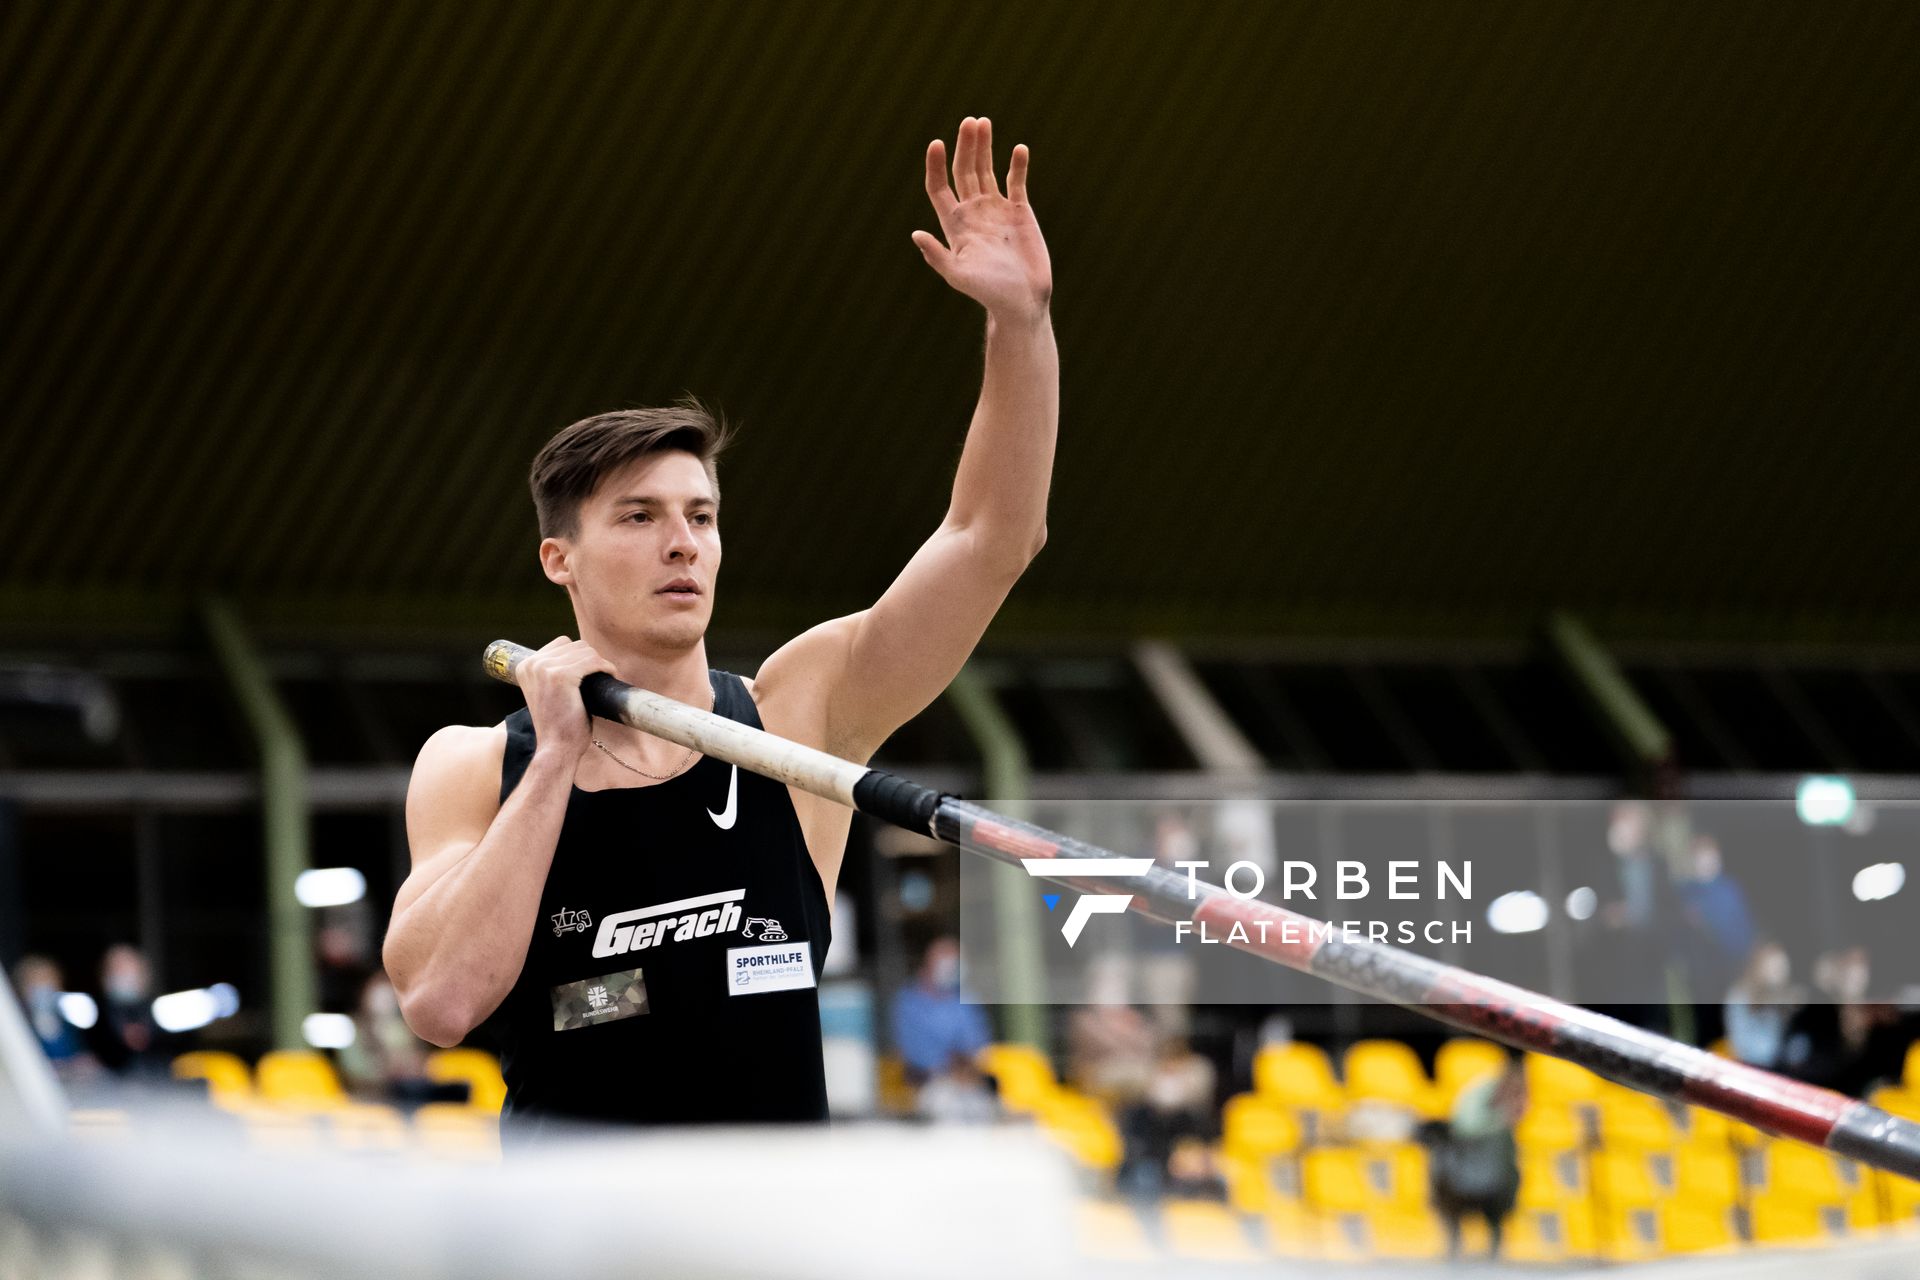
(461, 758)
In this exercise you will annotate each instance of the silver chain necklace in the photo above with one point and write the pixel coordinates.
(657, 777)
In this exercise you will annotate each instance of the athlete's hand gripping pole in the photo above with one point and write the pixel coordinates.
(1498, 1010)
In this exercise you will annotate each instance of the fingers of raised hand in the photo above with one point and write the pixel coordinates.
(966, 174)
(938, 190)
(983, 156)
(1017, 175)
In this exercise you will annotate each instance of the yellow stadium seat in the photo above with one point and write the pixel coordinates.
(1248, 1188)
(1553, 1079)
(1900, 1198)
(1266, 1136)
(1205, 1231)
(1626, 1177)
(1637, 1229)
(229, 1082)
(1781, 1217)
(1345, 1180)
(1404, 1232)
(1293, 1230)
(1396, 1172)
(1690, 1226)
(1910, 1074)
(1463, 1060)
(1082, 1126)
(1344, 1236)
(1835, 1189)
(479, 1070)
(1635, 1119)
(1702, 1127)
(1549, 1125)
(1784, 1165)
(1706, 1173)
(1334, 1179)
(1551, 1232)
(1299, 1075)
(1024, 1074)
(1109, 1231)
(1387, 1071)
(298, 1078)
(1255, 1125)
(365, 1126)
(1898, 1100)
(1552, 1177)
(896, 1096)
(450, 1130)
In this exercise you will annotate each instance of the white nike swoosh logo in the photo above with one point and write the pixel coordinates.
(724, 819)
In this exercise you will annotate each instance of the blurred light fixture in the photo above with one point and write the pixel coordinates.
(328, 1030)
(329, 887)
(1522, 911)
(78, 1008)
(1881, 880)
(1824, 802)
(191, 1010)
(1582, 902)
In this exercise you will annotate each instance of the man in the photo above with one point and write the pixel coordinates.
(932, 1026)
(648, 925)
(1475, 1166)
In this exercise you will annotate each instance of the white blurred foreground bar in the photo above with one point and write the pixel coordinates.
(849, 1202)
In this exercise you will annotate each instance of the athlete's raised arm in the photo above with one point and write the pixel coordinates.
(876, 669)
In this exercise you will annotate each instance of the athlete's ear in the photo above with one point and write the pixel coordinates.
(554, 554)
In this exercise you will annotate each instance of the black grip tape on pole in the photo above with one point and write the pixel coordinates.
(896, 800)
(599, 691)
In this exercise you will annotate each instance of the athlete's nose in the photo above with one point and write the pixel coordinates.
(681, 546)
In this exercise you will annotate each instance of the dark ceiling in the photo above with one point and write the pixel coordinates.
(1410, 318)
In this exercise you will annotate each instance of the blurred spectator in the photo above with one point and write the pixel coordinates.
(1844, 1041)
(962, 1094)
(343, 958)
(1166, 966)
(1110, 1044)
(386, 1062)
(1475, 1165)
(125, 1037)
(1630, 837)
(1641, 919)
(1173, 1117)
(1720, 932)
(1378, 1120)
(1760, 1004)
(38, 982)
(930, 1022)
(1193, 1173)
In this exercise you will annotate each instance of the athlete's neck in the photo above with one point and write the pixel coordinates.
(679, 673)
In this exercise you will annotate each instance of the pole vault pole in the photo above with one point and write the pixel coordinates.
(1498, 1010)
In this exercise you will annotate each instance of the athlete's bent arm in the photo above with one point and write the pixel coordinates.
(463, 919)
(875, 670)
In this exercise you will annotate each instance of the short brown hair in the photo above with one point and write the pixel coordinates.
(570, 466)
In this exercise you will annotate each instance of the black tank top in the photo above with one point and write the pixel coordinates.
(672, 977)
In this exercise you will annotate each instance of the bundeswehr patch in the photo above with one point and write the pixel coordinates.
(605, 999)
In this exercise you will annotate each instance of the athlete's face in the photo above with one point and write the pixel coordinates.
(647, 553)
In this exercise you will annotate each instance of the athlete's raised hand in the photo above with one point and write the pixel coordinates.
(550, 681)
(993, 252)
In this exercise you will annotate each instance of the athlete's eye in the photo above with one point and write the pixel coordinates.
(704, 518)
(638, 515)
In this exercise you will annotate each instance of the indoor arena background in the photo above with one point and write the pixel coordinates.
(1503, 408)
